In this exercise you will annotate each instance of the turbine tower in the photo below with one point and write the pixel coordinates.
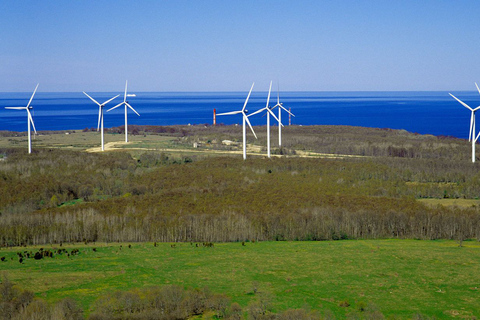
(280, 107)
(100, 114)
(471, 134)
(245, 119)
(125, 102)
(269, 111)
(29, 119)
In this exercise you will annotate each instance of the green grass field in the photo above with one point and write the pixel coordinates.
(399, 277)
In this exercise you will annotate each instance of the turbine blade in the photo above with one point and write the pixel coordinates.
(269, 90)
(249, 124)
(478, 135)
(16, 108)
(472, 120)
(91, 98)
(31, 120)
(118, 105)
(31, 98)
(229, 113)
(463, 103)
(258, 111)
(245, 104)
(125, 96)
(274, 116)
(128, 105)
(99, 116)
(286, 110)
(477, 87)
(110, 100)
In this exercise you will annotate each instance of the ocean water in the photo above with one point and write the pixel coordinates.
(423, 112)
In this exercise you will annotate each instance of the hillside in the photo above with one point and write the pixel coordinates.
(335, 182)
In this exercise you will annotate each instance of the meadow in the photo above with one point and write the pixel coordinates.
(399, 279)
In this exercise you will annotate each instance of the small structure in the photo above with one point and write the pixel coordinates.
(229, 143)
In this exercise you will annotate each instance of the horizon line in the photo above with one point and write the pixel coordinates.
(241, 91)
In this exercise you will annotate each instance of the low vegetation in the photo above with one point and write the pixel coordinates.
(170, 198)
(57, 195)
(361, 279)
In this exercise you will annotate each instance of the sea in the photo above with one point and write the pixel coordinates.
(432, 112)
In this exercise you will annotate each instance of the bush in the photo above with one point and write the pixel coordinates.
(67, 309)
(18, 304)
(168, 302)
(37, 310)
(234, 312)
(297, 314)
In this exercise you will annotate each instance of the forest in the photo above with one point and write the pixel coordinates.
(59, 195)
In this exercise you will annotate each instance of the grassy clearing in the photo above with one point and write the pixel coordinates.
(463, 203)
(79, 140)
(400, 277)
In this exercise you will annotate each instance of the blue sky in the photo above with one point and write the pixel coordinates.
(206, 45)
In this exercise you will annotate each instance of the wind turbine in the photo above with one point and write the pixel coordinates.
(100, 114)
(280, 107)
(125, 102)
(29, 119)
(471, 134)
(245, 119)
(269, 111)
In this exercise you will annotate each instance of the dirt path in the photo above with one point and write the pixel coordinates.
(115, 146)
(109, 146)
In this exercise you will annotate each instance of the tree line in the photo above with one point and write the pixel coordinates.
(57, 196)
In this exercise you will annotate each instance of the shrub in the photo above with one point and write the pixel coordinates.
(297, 314)
(67, 309)
(234, 312)
(37, 310)
(344, 304)
(168, 302)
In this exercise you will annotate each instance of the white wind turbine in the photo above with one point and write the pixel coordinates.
(269, 111)
(125, 102)
(471, 134)
(29, 119)
(100, 114)
(245, 119)
(280, 107)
